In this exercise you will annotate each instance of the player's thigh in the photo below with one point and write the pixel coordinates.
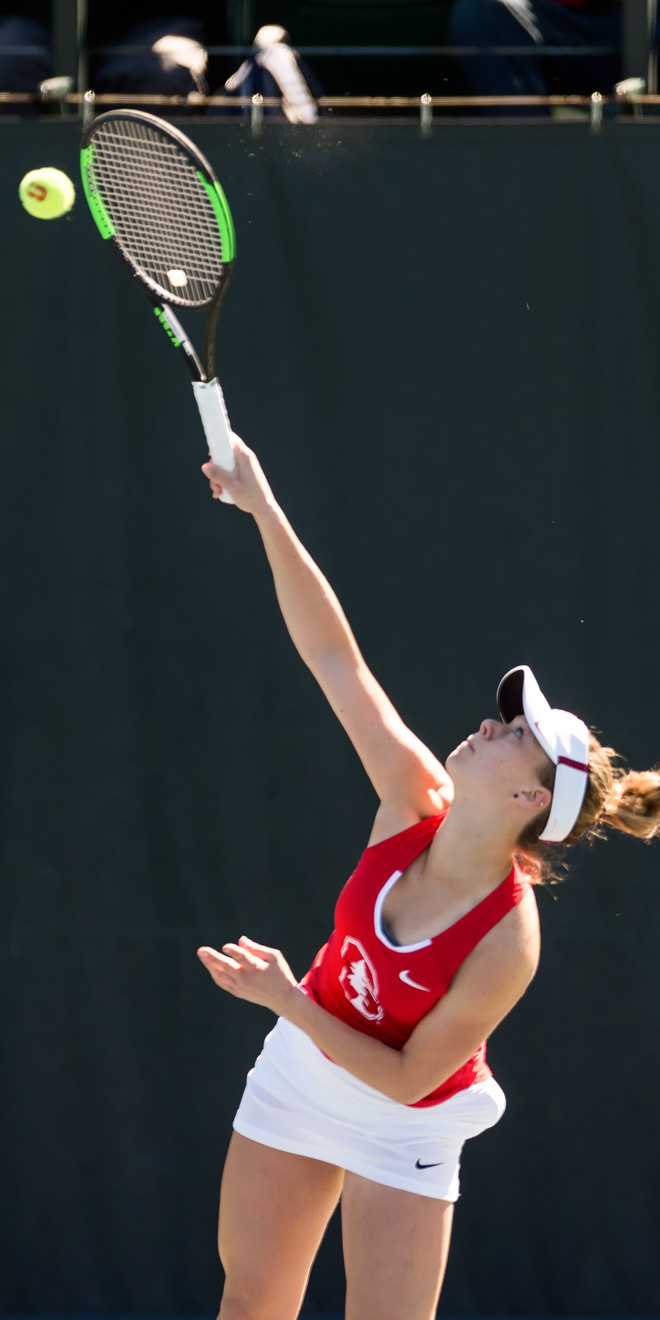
(274, 1208)
(395, 1251)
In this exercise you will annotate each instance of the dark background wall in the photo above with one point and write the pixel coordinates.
(446, 354)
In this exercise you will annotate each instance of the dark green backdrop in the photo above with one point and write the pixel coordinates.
(446, 354)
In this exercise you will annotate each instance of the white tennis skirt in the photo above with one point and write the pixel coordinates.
(298, 1101)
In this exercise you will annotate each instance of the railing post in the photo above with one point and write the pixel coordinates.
(87, 108)
(256, 112)
(596, 113)
(426, 113)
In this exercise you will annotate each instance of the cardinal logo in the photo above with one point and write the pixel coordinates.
(359, 982)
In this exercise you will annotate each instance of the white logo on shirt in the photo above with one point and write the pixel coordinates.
(359, 982)
(407, 979)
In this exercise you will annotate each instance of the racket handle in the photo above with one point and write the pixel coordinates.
(212, 410)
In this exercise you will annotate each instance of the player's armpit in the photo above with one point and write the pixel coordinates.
(485, 989)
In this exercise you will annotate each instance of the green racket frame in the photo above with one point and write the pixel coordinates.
(202, 370)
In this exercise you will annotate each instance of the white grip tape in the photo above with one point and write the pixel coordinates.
(212, 410)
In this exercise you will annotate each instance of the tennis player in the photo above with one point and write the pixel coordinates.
(375, 1073)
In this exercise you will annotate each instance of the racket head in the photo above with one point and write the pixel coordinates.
(153, 193)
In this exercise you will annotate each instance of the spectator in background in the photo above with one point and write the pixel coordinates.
(274, 69)
(535, 25)
(28, 27)
(167, 56)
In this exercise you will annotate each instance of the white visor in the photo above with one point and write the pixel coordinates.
(562, 736)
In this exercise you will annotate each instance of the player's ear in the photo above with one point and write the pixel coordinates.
(534, 799)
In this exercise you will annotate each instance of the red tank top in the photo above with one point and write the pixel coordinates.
(385, 989)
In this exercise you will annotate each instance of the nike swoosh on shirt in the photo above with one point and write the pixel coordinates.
(428, 1166)
(404, 976)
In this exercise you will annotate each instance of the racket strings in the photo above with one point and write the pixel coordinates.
(164, 220)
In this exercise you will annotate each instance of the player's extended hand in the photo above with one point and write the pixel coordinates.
(246, 482)
(253, 972)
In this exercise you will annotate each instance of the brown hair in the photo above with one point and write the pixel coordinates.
(624, 800)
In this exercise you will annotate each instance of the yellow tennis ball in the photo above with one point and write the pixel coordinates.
(47, 193)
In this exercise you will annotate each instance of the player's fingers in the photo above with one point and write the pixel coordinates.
(233, 951)
(243, 462)
(243, 956)
(214, 483)
(252, 944)
(211, 958)
(206, 952)
(239, 956)
(213, 474)
(220, 978)
(218, 478)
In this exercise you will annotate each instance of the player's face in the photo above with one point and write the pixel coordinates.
(502, 759)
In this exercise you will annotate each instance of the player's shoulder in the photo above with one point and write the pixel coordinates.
(515, 939)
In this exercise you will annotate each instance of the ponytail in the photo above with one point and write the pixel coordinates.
(633, 805)
(618, 799)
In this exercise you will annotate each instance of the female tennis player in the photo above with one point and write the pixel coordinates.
(375, 1073)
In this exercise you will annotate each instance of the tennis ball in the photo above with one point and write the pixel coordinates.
(47, 193)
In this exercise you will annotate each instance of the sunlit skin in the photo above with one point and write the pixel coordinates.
(499, 749)
(490, 780)
(496, 771)
(496, 792)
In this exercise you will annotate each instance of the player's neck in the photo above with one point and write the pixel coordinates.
(470, 852)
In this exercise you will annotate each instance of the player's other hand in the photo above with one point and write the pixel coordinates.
(253, 972)
(246, 482)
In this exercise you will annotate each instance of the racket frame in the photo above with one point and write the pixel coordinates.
(206, 387)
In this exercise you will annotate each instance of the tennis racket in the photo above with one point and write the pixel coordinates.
(155, 196)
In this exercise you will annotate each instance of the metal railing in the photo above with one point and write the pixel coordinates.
(425, 105)
(71, 53)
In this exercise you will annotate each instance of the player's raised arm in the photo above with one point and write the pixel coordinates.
(400, 767)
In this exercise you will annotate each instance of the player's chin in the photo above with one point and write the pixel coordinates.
(458, 752)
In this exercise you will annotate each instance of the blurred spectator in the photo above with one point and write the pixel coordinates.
(274, 69)
(534, 25)
(23, 70)
(165, 53)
